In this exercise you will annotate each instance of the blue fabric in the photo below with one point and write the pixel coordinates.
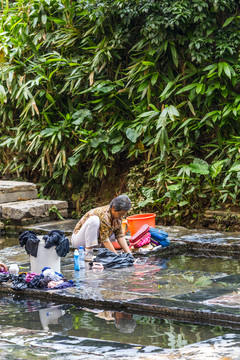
(30, 240)
(57, 238)
(160, 236)
(47, 267)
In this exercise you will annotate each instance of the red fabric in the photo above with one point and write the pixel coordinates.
(139, 234)
(141, 237)
(145, 240)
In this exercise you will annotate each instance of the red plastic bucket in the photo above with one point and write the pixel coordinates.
(137, 221)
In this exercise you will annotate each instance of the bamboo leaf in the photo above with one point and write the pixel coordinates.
(187, 88)
(174, 55)
(3, 95)
(228, 21)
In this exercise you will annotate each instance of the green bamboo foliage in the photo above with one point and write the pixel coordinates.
(85, 84)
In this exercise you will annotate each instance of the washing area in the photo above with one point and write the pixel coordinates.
(181, 302)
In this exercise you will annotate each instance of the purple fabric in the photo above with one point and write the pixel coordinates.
(30, 276)
(63, 285)
(4, 272)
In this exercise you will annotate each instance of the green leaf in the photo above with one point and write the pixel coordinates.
(148, 63)
(220, 68)
(104, 150)
(3, 95)
(154, 78)
(186, 88)
(115, 140)
(182, 203)
(175, 187)
(73, 160)
(199, 167)
(216, 168)
(228, 21)
(56, 20)
(132, 135)
(143, 86)
(80, 115)
(116, 148)
(44, 19)
(227, 70)
(199, 88)
(146, 202)
(172, 112)
(50, 98)
(167, 88)
(235, 167)
(174, 55)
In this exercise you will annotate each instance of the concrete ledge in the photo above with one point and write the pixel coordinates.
(166, 308)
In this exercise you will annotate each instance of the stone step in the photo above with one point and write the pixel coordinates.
(221, 220)
(43, 228)
(16, 190)
(32, 211)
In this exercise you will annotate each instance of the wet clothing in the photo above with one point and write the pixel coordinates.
(64, 284)
(57, 238)
(30, 240)
(108, 225)
(25, 280)
(54, 238)
(114, 261)
(51, 275)
(30, 276)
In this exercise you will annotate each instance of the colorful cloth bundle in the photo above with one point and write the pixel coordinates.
(159, 237)
(141, 237)
(147, 234)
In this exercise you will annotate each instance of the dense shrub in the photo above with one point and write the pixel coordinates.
(85, 84)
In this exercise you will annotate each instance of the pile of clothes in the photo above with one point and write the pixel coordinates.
(107, 259)
(48, 279)
(54, 238)
(148, 237)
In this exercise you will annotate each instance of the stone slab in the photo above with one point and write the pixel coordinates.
(153, 286)
(31, 209)
(132, 290)
(16, 190)
(43, 228)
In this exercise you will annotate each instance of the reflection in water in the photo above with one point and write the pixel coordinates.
(193, 263)
(120, 327)
(60, 331)
(50, 316)
(8, 241)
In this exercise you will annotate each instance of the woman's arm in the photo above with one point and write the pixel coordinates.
(108, 245)
(123, 243)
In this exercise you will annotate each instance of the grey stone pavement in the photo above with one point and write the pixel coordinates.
(169, 283)
(201, 289)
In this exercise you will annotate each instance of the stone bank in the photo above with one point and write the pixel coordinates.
(20, 206)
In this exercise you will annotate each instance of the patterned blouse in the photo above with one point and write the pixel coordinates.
(108, 225)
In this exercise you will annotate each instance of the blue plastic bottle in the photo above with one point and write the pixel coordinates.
(76, 260)
(81, 257)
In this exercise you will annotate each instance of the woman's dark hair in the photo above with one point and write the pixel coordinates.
(121, 202)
